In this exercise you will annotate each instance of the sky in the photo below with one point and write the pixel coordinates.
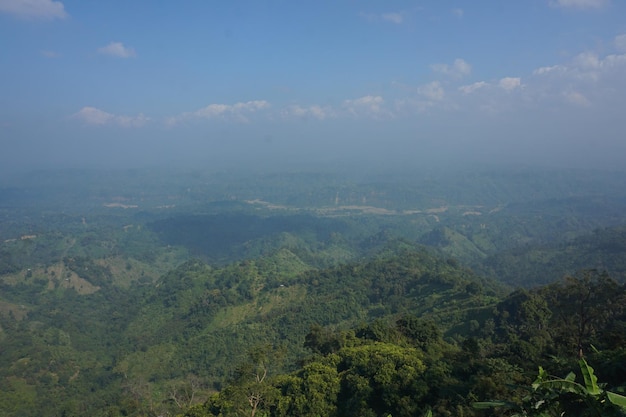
(119, 84)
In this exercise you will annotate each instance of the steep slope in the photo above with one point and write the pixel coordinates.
(528, 266)
(129, 346)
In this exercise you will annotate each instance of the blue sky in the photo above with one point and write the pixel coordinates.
(132, 83)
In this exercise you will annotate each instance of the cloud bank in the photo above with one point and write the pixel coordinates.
(239, 112)
(34, 9)
(97, 117)
(458, 69)
(587, 80)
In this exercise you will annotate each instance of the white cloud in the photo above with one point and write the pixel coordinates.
(584, 67)
(620, 42)
(428, 96)
(94, 116)
(117, 49)
(588, 79)
(372, 102)
(579, 4)
(213, 110)
(458, 69)
(510, 83)
(506, 83)
(467, 89)
(432, 91)
(458, 13)
(613, 61)
(238, 112)
(34, 9)
(370, 106)
(314, 111)
(363, 107)
(547, 70)
(587, 60)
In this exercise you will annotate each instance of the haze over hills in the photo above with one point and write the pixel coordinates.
(121, 293)
(471, 216)
(323, 208)
(318, 85)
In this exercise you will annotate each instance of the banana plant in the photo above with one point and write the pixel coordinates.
(551, 396)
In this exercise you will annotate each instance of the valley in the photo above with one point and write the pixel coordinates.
(115, 301)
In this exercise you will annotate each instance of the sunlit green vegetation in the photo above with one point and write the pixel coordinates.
(146, 294)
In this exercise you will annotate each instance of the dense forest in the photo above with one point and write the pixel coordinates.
(142, 293)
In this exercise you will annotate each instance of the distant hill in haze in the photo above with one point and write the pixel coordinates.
(123, 295)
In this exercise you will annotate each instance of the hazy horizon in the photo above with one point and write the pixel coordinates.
(265, 85)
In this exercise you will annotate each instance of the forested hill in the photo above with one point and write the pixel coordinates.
(147, 294)
(200, 320)
(404, 365)
(450, 336)
(604, 249)
(128, 348)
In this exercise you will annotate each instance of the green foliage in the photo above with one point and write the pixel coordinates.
(411, 316)
(585, 305)
(381, 377)
(563, 396)
(323, 272)
(532, 265)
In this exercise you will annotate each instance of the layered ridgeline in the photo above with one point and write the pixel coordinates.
(396, 334)
(518, 354)
(144, 293)
(486, 220)
(126, 350)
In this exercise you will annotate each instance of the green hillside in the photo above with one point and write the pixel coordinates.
(603, 249)
(155, 293)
